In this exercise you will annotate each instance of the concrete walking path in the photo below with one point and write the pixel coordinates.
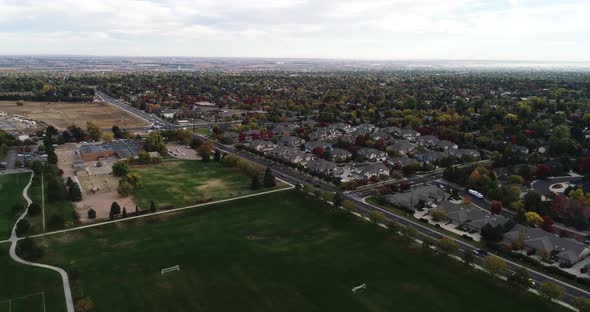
(14, 241)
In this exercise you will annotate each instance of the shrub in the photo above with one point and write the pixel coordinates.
(28, 250)
(91, 214)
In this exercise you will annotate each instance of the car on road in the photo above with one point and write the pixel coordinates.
(480, 252)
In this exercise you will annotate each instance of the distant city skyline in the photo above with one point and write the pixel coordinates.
(329, 29)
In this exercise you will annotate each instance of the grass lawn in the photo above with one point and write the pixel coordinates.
(62, 208)
(17, 280)
(278, 252)
(188, 182)
(11, 193)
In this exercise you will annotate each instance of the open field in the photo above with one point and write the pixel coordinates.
(186, 182)
(62, 115)
(279, 252)
(11, 190)
(18, 281)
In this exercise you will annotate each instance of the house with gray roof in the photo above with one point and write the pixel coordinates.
(372, 154)
(370, 170)
(443, 145)
(311, 145)
(565, 250)
(291, 141)
(428, 194)
(291, 154)
(410, 134)
(401, 148)
(430, 156)
(462, 152)
(261, 146)
(401, 162)
(321, 166)
(427, 140)
(340, 155)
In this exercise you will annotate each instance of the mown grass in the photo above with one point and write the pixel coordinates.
(278, 252)
(11, 196)
(17, 280)
(188, 182)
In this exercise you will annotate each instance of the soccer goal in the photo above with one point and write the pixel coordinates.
(170, 269)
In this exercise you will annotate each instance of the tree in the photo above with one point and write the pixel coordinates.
(94, 132)
(55, 191)
(448, 245)
(20, 103)
(438, 214)
(548, 224)
(255, 184)
(152, 206)
(91, 214)
(125, 188)
(377, 216)
(206, 149)
(582, 304)
(23, 227)
(155, 143)
(84, 304)
(491, 234)
(107, 137)
(74, 192)
(494, 265)
(34, 209)
(349, 205)
(269, 179)
(217, 155)
(115, 208)
(496, 207)
(468, 257)
(183, 136)
(338, 199)
(117, 133)
(520, 278)
(134, 179)
(28, 250)
(120, 169)
(124, 212)
(533, 218)
(515, 179)
(551, 291)
(532, 201)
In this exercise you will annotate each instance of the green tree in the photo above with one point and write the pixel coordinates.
(134, 179)
(120, 169)
(551, 291)
(34, 209)
(117, 133)
(217, 155)
(520, 278)
(115, 208)
(91, 214)
(494, 265)
(582, 304)
(74, 192)
(23, 227)
(255, 184)
(155, 143)
(125, 188)
(377, 216)
(438, 214)
(94, 132)
(269, 179)
(448, 245)
(28, 250)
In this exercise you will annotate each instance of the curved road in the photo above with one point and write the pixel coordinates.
(14, 241)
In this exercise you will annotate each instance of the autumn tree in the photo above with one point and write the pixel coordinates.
(494, 265)
(496, 207)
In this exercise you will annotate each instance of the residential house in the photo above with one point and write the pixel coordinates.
(428, 195)
(427, 140)
(311, 145)
(291, 141)
(371, 170)
(340, 155)
(290, 154)
(410, 134)
(443, 145)
(463, 152)
(430, 156)
(372, 154)
(401, 162)
(565, 250)
(262, 146)
(401, 148)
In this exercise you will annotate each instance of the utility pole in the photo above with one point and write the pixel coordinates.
(43, 200)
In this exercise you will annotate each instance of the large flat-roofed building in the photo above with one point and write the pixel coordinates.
(120, 148)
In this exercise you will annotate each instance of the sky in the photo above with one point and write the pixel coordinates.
(536, 30)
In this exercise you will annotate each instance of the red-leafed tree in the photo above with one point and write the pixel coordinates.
(496, 207)
(255, 136)
(548, 224)
(269, 135)
(242, 137)
(360, 140)
(374, 179)
(542, 171)
(585, 164)
(318, 151)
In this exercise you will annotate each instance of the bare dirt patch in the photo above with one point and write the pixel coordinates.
(62, 114)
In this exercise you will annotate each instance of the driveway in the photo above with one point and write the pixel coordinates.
(542, 186)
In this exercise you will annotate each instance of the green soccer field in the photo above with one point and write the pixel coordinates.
(277, 252)
(11, 190)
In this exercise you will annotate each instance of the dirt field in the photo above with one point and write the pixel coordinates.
(62, 115)
(97, 178)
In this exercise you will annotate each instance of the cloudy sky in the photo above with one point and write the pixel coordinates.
(359, 29)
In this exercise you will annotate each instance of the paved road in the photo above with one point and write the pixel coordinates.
(14, 241)
(542, 186)
(128, 108)
(10, 159)
(290, 176)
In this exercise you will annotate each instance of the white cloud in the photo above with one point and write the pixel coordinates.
(389, 29)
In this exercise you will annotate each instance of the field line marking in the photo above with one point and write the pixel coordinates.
(160, 212)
